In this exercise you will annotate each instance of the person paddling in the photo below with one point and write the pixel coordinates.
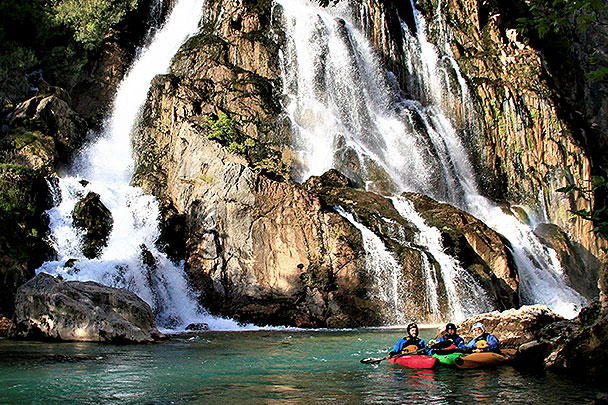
(410, 343)
(450, 342)
(483, 341)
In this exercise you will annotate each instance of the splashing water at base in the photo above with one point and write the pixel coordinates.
(131, 259)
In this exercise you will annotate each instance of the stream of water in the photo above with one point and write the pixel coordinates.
(263, 367)
(105, 167)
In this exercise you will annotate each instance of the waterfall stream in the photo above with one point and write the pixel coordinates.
(348, 113)
(131, 259)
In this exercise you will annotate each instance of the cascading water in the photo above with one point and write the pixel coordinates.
(131, 259)
(383, 266)
(464, 293)
(346, 114)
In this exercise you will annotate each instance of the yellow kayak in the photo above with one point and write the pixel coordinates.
(479, 360)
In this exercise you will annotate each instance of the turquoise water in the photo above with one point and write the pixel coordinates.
(265, 367)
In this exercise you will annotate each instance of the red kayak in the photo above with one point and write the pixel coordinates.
(415, 361)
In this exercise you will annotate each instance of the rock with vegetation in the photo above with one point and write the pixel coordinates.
(212, 147)
(96, 220)
(47, 308)
(45, 131)
(24, 195)
(82, 46)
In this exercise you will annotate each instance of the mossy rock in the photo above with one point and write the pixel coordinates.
(24, 196)
(92, 215)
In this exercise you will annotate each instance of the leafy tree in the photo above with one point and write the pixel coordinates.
(564, 17)
(91, 20)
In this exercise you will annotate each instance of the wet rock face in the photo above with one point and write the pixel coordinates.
(260, 248)
(91, 215)
(483, 252)
(49, 309)
(581, 268)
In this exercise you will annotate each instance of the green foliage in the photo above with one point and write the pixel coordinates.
(223, 130)
(263, 159)
(18, 211)
(599, 213)
(91, 20)
(56, 36)
(561, 17)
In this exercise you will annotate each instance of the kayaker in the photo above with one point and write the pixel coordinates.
(450, 337)
(410, 343)
(483, 341)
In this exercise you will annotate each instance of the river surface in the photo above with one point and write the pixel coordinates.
(263, 367)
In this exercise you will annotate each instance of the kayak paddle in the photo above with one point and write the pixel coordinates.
(376, 360)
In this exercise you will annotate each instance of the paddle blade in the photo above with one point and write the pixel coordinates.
(372, 360)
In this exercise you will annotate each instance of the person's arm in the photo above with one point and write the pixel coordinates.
(460, 343)
(396, 349)
(423, 345)
(468, 347)
(492, 343)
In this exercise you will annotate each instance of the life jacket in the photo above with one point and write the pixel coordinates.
(451, 338)
(480, 342)
(411, 345)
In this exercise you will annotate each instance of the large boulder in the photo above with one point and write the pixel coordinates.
(512, 327)
(48, 308)
(52, 118)
(582, 350)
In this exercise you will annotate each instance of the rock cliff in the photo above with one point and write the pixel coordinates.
(213, 147)
(529, 142)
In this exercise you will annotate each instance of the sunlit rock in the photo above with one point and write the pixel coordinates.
(50, 309)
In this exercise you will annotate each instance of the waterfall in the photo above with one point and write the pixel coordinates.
(385, 269)
(465, 295)
(347, 113)
(131, 259)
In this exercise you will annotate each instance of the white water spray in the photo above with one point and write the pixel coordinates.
(131, 259)
(345, 115)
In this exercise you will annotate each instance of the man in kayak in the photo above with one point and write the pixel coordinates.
(483, 342)
(410, 343)
(451, 341)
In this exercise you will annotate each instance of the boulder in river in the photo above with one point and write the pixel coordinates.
(512, 327)
(48, 308)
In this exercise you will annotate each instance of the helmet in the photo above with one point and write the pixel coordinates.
(479, 325)
(411, 326)
(450, 326)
